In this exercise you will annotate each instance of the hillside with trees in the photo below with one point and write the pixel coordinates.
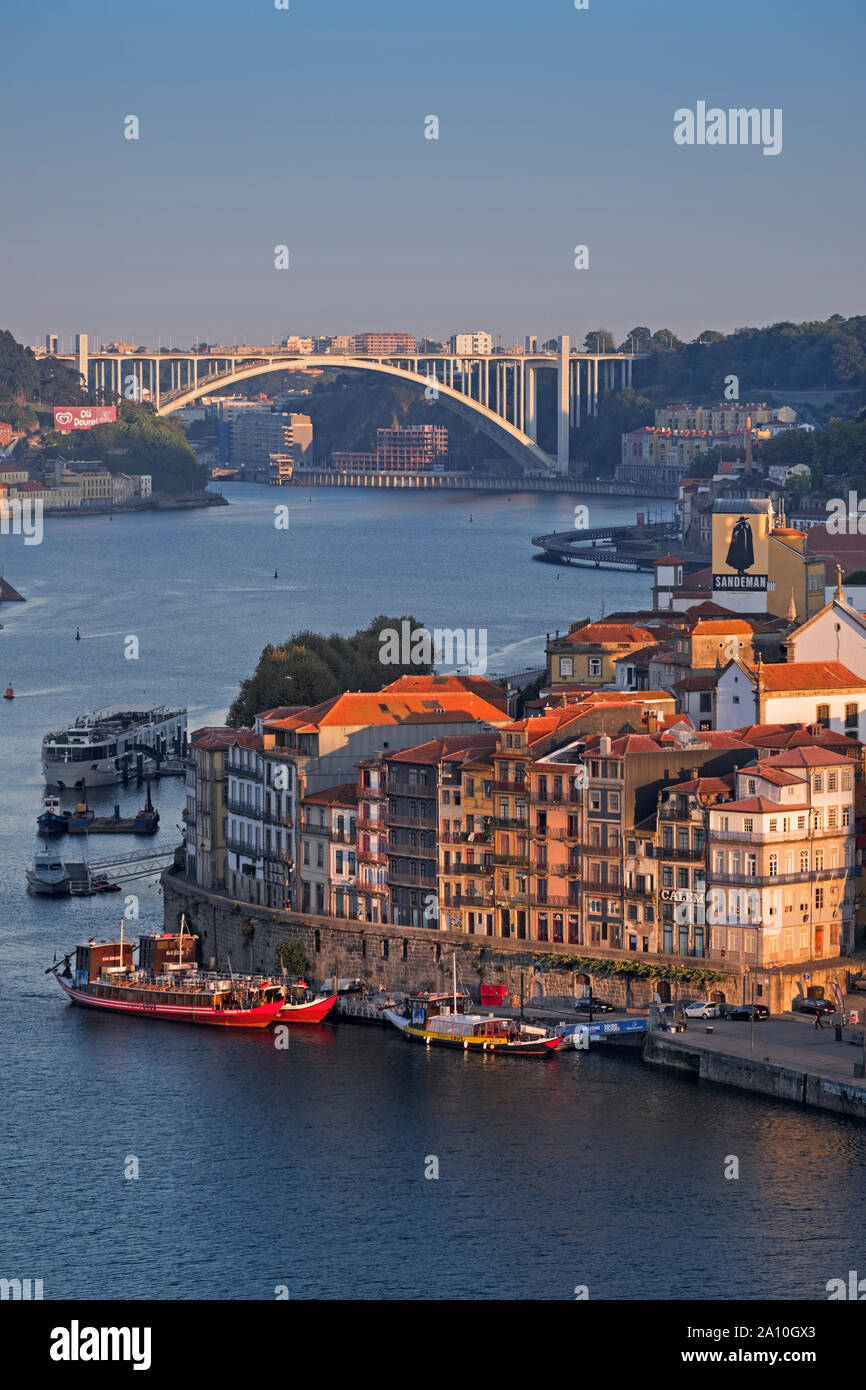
(307, 668)
(138, 441)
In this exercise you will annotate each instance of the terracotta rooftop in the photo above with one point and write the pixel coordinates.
(807, 675)
(611, 632)
(221, 736)
(359, 709)
(433, 684)
(455, 748)
(805, 757)
(762, 805)
(703, 786)
(345, 794)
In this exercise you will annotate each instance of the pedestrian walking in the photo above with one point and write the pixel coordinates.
(818, 1023)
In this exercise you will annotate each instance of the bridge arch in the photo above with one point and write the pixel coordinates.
(516, 444)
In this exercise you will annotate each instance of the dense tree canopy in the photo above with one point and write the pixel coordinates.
(138, 441)
(308, 668)
(27, 379)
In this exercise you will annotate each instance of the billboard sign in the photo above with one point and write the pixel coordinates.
(740, 561)
(83, 417)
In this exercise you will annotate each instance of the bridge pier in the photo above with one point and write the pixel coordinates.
(562, 393)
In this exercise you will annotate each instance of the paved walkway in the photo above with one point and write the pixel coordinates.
(784, 1041)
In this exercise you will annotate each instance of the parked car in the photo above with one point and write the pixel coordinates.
(598, 1006)
(703, 1008)
(744, 1011)
(814, 1006)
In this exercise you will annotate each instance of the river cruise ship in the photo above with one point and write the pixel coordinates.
(103, 748)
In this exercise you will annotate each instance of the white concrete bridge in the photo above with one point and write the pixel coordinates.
(497, 393)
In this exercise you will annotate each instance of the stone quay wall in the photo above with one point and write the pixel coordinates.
(391, 957)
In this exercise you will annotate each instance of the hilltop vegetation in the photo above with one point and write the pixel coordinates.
(27, 381)
(308, 668)
(138, 441)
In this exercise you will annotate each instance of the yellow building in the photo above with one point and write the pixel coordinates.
(586, 655)
(760, 565)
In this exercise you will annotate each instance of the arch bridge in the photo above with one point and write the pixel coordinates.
(496, 393)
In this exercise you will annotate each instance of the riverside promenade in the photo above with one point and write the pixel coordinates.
(791, 1059)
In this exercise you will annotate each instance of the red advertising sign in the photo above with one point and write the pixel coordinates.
(83, 417)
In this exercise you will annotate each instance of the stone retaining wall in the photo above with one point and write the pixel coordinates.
(388, 957)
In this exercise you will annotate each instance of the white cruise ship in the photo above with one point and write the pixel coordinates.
(100, 747)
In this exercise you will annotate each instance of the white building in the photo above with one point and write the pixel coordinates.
(477, 344)
(825, 693)
(837, 631)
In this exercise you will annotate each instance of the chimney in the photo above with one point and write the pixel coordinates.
(604, 746)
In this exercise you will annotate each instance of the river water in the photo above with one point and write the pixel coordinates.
(305, 1168)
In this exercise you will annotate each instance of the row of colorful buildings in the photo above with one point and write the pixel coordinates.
(603, 821)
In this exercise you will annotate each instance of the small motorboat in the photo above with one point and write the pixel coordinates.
(9, 693)
(48, 876)
(53, 820)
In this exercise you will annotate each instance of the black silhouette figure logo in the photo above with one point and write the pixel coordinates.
(741, 551)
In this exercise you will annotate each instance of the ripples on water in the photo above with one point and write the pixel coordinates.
(306, 1167)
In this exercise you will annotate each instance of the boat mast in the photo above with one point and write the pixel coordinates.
(180, 941)
(121, 943)
(454, 973)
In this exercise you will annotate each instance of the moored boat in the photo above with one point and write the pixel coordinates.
(167, 984)
(111, 744)
(441, 1020)
(53, 820)
(48, 876)
(302, 1005)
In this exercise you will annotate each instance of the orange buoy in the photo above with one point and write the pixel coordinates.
(9, 693)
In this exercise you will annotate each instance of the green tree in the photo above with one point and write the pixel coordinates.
(309, 668)
(291, 957)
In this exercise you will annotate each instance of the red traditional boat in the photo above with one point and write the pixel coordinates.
(302, 1006)
(104, 977)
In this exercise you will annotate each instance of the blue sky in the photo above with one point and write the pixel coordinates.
(306, 127)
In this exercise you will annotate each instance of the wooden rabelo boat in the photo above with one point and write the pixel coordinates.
(168, 984)
(441, 1020)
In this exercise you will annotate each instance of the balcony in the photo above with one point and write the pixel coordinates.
(380, 890)
(478, 900)
(509, 823)
(241, 847)
(773, 837)
(365, 823)
(372, 856)
(770, 880)
(406, 822)
(514, 859)
(308, 828)
(557, 901)
(513, 788)
(606, 851)
(246, 773)
(470, 869)
(243, 808)
(693, 856)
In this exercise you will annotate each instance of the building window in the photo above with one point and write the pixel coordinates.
(566, 667)
(852, 718)
(595, 666)
(822, 716)
(774, 865)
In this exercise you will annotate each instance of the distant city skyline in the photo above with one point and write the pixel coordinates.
(307, 128)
